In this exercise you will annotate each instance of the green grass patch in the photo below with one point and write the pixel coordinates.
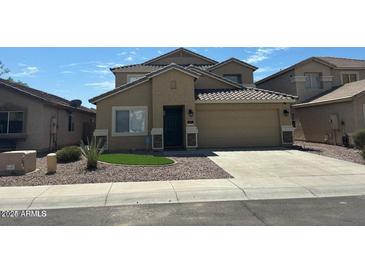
(135, 159)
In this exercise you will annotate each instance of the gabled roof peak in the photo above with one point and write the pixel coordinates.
(232, 59)
(208, 60)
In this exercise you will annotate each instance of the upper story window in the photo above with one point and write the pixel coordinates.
(11, 122)
(71, 123)
(233, 77)
(348, 77)
(313, 80)
(133, 77)
(128, 121)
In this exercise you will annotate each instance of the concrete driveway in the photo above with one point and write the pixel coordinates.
(280, 172)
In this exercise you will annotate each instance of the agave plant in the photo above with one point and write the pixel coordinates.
(92, 151)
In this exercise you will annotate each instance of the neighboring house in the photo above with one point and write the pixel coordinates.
(327, 110)
(33, 119)
(330, 117)
(185, 100)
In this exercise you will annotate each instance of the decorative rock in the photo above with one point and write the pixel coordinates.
(51, 163)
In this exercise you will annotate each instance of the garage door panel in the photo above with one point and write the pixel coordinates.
(238, 128)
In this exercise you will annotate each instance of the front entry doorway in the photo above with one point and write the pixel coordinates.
(173, 127)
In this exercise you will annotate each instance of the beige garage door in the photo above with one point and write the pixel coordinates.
(238, 128)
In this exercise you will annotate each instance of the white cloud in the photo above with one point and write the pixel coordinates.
(66, 72)
(262, 54)
(129, 59)
(160, 52)
(96, 71)
(26, 71)
(106, 85)
(122, 53)
(266, 69)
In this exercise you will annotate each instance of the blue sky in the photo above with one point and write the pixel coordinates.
(82, 73)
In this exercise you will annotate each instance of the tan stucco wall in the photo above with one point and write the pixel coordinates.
(33, 111)
(235, 68)
(163, 95)
(281, 83)
(337, 81)
(65, 137)
(154, 94)
(38, 121)
(240, 125)
(313, 123)
(305, 94)
(121, 77)
(137, 96)
(205, 82)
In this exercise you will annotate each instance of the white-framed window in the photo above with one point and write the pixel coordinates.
(313, 80)
(11, 122)
(348, 77)
(133, 77)
(71, 123)
(129, 121)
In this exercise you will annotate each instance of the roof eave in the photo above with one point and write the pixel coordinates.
(327, 102)
(266, 101)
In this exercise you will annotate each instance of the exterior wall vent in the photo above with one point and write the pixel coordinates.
(157, 138)
(287, 136)
(191, 137)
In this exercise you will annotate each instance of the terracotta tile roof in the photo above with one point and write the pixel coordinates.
(150, 68)
(345, 92)
(41, 95)
(343, 62)
(244, 94)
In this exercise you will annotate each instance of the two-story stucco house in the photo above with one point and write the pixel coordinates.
(36, 120)
(331, 97)
(185, 100)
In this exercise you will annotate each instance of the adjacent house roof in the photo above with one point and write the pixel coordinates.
(344, 93)
(143, 79)
(210, 61)
(43, 96)
(343, 62)
(235, 60)
(333, 62)
(242, 95)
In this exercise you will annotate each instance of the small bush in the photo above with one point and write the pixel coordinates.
(359, 139)
(92, 152)
(68, 154)
(363, 153)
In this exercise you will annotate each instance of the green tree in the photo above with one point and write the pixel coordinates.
(4, 70)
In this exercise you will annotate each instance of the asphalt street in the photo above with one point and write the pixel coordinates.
(317, 211)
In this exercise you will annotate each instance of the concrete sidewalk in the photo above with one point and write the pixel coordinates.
(185, 191)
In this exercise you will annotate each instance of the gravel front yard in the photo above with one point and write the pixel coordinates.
(338, 152)
(74, 173)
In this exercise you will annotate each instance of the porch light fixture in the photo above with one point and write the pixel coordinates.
(191, 113)
(285, 112)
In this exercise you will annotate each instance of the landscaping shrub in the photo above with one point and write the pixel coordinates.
(359, 139)
(68, 154)
(363, 153)
(92, 151)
